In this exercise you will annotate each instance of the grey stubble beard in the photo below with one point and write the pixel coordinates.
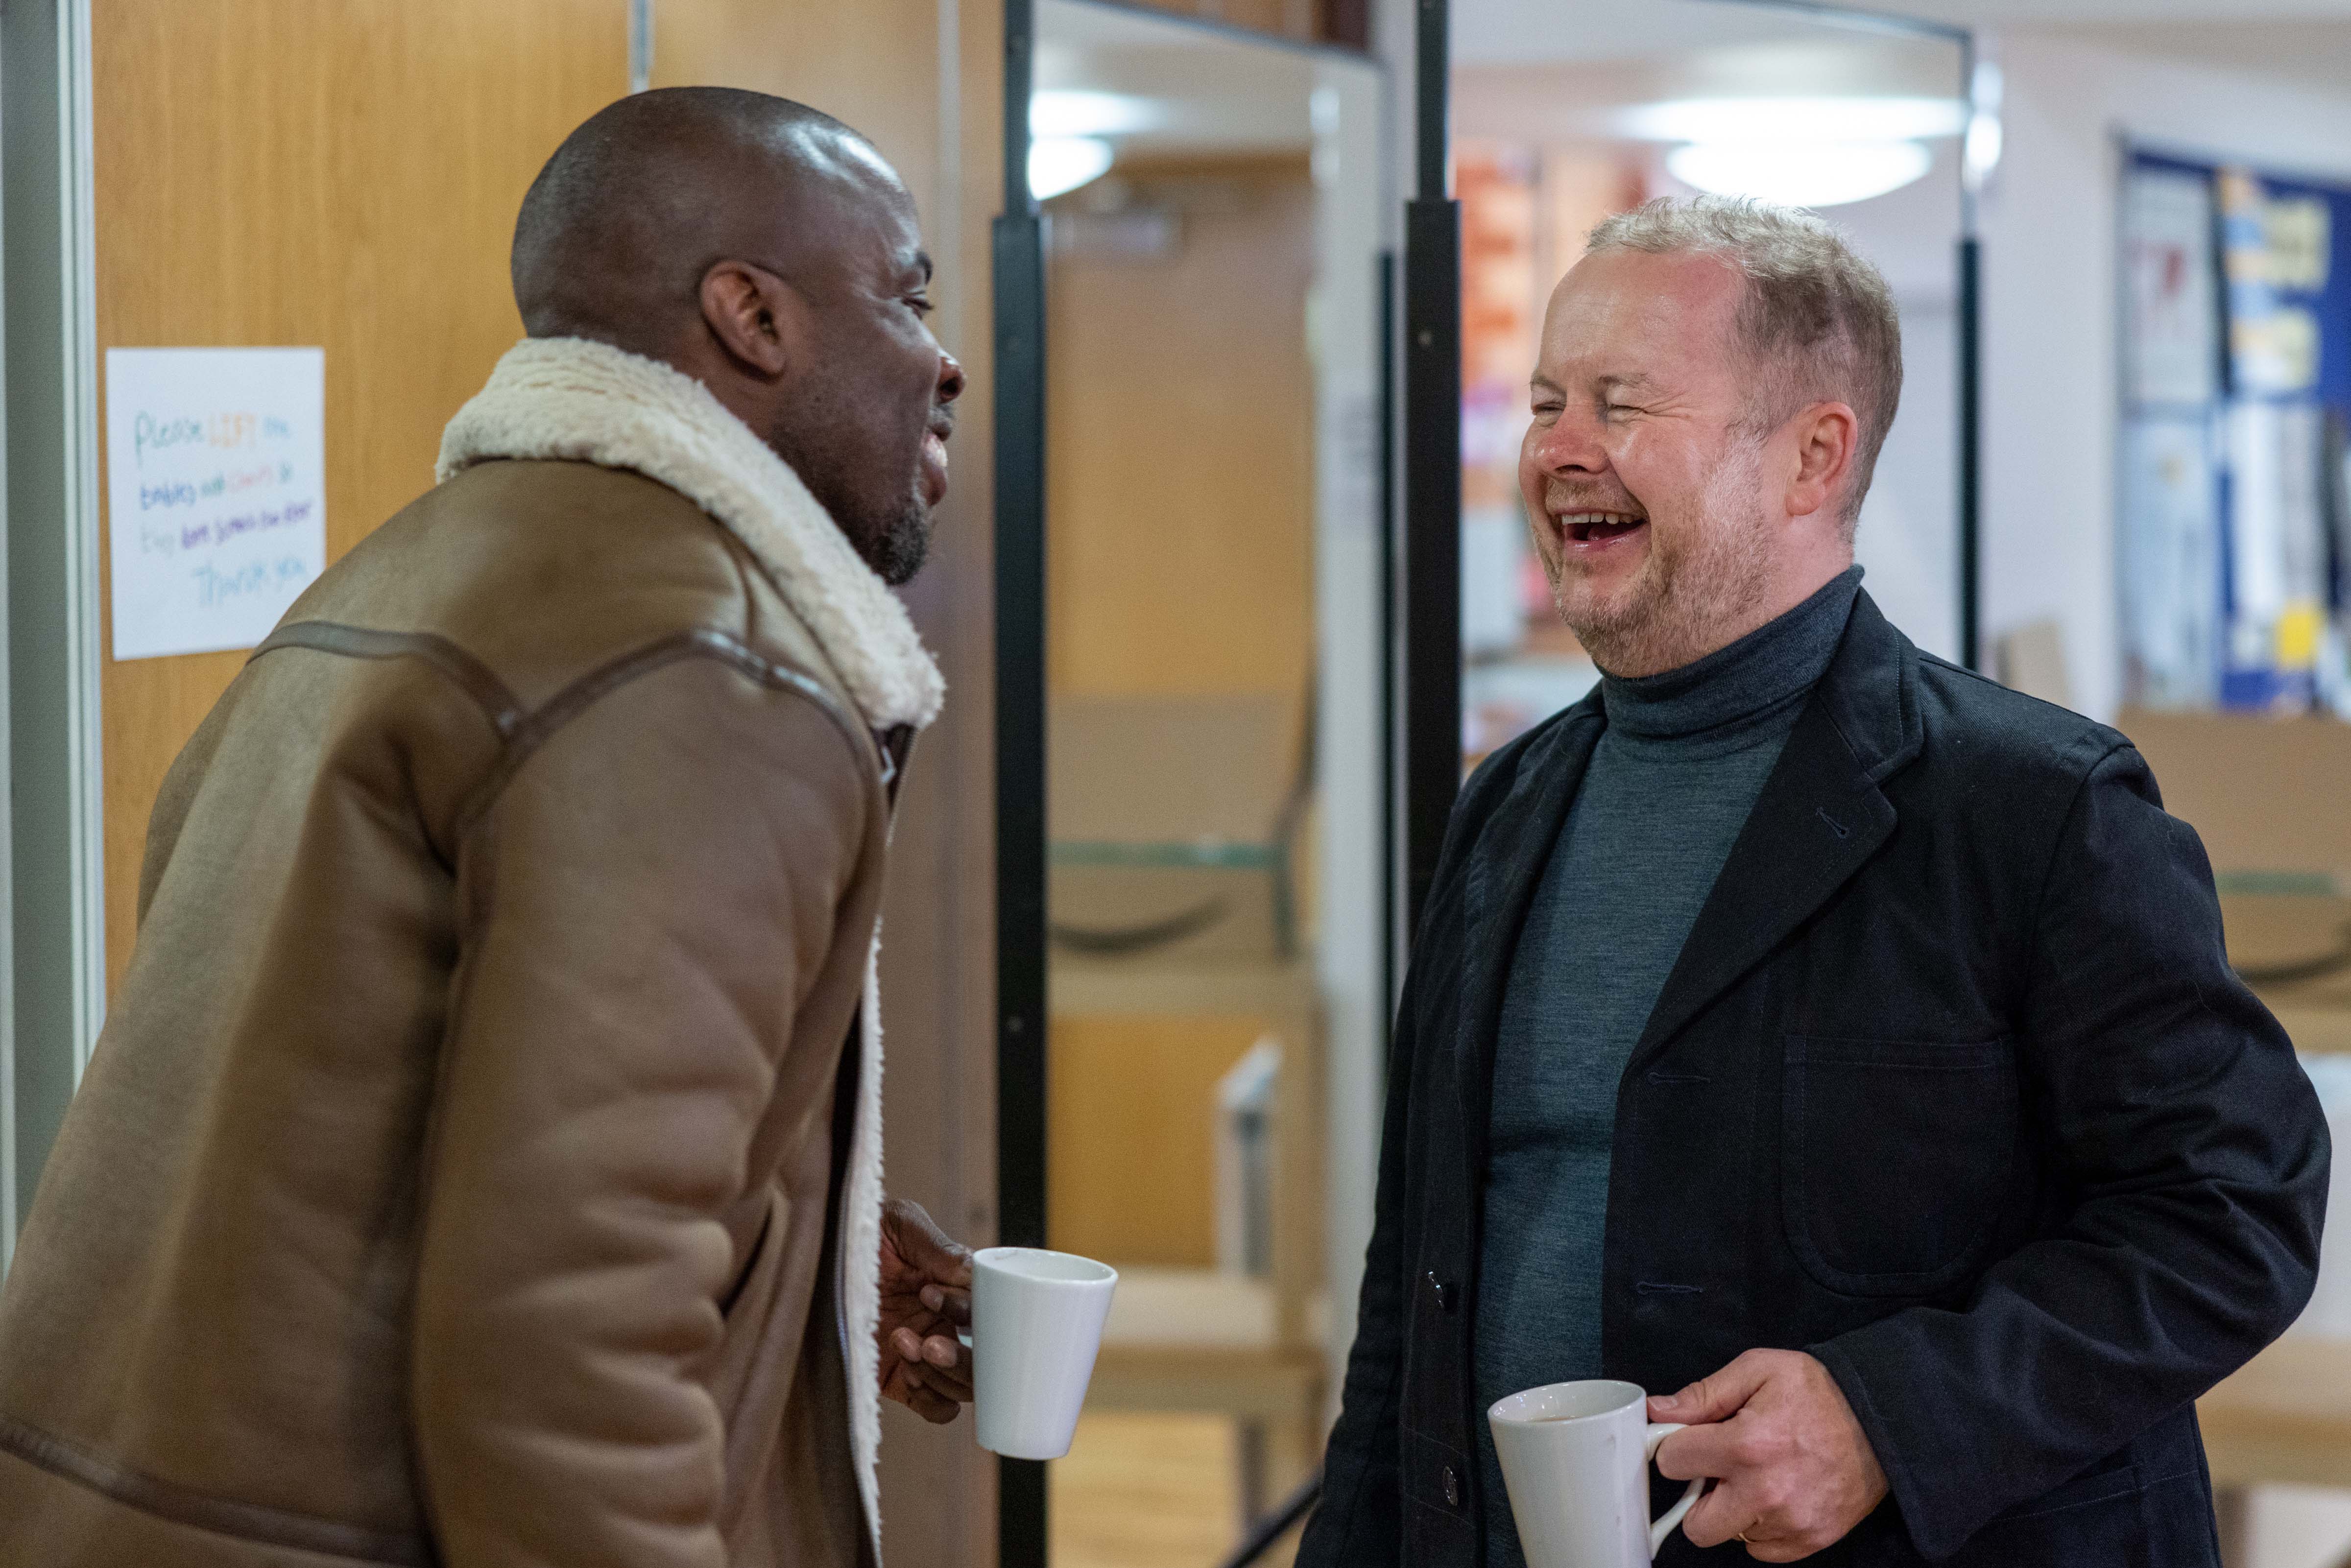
(1696, 593)
(903, 543)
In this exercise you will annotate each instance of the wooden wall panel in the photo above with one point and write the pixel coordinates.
(874, 65)
(1179, 411)
(280, 171)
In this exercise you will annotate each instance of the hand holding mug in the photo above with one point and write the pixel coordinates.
(925, 1298)
(1794, 1471)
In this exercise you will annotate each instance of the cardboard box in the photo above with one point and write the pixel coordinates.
(2271, 799)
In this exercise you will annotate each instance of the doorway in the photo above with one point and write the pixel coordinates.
(1205, 610)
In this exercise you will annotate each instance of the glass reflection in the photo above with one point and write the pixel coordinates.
(1214, 596)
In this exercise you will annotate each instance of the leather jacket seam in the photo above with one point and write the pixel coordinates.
(522, 731)
(541, 724)
(498, 702)
(196, 1510)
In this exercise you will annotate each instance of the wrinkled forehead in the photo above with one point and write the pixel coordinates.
(1622, 310)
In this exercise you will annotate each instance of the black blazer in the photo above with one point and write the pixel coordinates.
(1951, 1086)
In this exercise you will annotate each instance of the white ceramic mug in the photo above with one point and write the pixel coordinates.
(1576, 1459)
(1036, 1323)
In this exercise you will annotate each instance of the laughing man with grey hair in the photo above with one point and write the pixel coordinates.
(1802, 1024)
(1816, 320)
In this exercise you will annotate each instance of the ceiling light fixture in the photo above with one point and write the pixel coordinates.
(1060, 164)
(1798, 152)
(1800, 173)
(1083, 111)
(1980, 157)
(1787, 119)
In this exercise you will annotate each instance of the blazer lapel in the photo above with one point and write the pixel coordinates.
(1821, 817)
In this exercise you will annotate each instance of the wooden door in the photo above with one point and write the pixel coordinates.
(346, 175)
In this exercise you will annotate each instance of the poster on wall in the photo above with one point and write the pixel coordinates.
(2277, 553)
(2277, 254)
(2276, 250)
(2171, 561)
(216, 513)
(2173, 341)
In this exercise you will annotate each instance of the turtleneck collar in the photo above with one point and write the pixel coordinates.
(1741, 686)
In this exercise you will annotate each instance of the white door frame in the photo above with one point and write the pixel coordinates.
(52, 860)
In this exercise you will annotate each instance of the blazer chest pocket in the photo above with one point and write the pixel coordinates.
(1897, 1157)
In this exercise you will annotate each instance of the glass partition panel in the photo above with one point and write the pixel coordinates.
(1215, 643)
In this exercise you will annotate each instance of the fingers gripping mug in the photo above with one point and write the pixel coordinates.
(1575, 1460)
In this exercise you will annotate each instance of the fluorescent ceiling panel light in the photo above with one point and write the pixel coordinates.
(1060, 164)
(1795, 119)
(1800, 173)
(1075, 111)
(1981, 152)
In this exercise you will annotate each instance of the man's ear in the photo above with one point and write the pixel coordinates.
(752, 313)
(1828, 439)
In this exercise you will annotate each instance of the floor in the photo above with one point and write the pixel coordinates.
(1150, 1491)
(1159, 1491)
(2297, 1527)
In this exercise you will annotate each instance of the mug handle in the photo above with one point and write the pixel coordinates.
(1673, 1516)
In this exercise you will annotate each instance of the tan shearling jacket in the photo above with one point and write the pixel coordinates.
(481, 1163)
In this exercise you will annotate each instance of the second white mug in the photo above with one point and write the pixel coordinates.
(1575, 1460)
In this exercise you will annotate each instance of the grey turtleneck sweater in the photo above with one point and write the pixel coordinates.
(1669, 786)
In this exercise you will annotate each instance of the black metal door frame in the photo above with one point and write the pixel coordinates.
(1429, 594)
(1019, 253)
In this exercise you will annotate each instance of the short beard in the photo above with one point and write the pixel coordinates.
(1685, 598)
(897, 550)
(894, 543)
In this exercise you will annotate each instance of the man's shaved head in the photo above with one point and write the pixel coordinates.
(767, 250)
(639, 202)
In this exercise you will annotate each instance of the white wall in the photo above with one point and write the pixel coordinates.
(2048, 228)
(1909, 543)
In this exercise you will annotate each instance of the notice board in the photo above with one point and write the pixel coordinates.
(2234, 453)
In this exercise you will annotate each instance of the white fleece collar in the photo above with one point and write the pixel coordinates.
(571, 399)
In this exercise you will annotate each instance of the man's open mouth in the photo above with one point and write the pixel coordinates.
(1597, 528)
(932, 468)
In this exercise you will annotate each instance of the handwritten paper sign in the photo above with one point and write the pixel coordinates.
(216, 503)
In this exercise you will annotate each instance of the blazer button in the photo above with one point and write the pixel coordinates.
(1452, 1488)
(1446, 1296)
